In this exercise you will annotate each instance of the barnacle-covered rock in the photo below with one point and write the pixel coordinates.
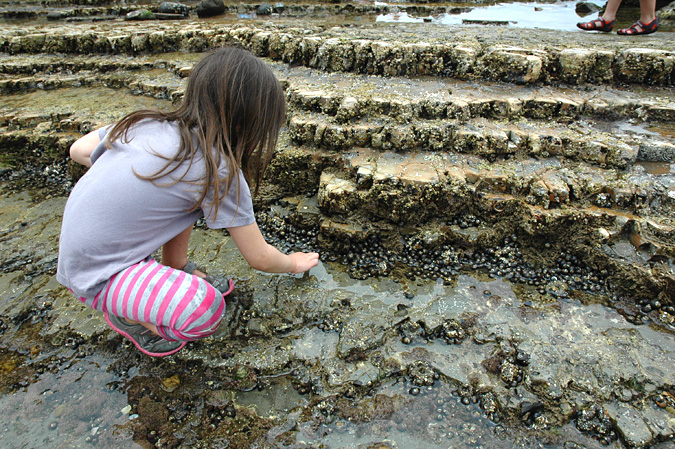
(421, 373)
(641, 65)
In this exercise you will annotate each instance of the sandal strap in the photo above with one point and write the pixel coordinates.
(635, 28)
(189, 267)
(592, 24)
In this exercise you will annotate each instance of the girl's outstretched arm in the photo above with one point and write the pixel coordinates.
(81, 149)
(264, 257)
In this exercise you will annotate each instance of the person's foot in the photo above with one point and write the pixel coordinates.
(146, 342)
(224, 285)
(598, 24)
(640, 28)
(191, 268)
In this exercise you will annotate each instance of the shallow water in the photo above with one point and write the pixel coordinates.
(75, 405)
(94, 104)
(79, 397)
(556, 15)
(553, 16)
(560, 15)
(658, 168)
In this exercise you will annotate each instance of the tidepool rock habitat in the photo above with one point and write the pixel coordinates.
(493, 204)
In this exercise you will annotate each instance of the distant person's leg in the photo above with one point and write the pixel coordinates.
(604, 23)
(648, 22)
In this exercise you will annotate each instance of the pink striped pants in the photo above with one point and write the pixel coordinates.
(182, 306)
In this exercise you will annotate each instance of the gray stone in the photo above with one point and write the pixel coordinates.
(210, 8)
(630, 423)
(174, 8)
(546, 376)
(140, 14)
(264, 10)
(660, 422)
(667, 13)
(586, 7)
(512, 64)
(656, 152)
(168, 16)
(360, 334)
(645, 65)
(59, 15)
(576, 64)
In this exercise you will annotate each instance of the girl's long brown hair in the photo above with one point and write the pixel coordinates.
(233, 108)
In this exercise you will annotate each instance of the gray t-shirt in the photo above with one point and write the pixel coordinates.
(113, 219)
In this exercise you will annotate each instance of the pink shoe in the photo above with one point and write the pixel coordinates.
(146, 342)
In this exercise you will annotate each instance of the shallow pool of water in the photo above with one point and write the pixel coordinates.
(553, 16)
(556, 16)
(74, 404)
(68, 397)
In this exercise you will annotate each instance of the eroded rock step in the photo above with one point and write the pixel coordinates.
(390, 151)
(550, 146)
(349, 343)
(416, 51)
(110, 10)
(346, 97)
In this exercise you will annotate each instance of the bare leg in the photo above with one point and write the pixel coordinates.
(174, 252)
(151, 327)
(647, 11)
(611, 9)
(174, 255)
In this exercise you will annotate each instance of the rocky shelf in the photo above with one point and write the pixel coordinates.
(527, 175)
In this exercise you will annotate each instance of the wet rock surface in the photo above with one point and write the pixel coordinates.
(493, 209)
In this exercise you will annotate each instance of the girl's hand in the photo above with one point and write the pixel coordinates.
(303, 261)
(264, 257)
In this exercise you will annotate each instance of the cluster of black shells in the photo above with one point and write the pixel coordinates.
(593, 420)
(657, 309)
(217, 414)
(54, 179)
(416, 258)
(284, 235)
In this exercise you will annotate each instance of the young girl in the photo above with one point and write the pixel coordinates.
(152, 176)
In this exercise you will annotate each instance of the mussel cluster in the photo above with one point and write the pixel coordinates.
(657, 310)
(594, 420)
(218, 413)
(52, 179)
(422, 374)
(416, 258)
(465, 221)
(284, 235)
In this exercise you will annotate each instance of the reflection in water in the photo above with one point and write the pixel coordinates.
(657, 168)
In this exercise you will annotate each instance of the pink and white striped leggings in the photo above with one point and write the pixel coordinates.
(182, 306)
